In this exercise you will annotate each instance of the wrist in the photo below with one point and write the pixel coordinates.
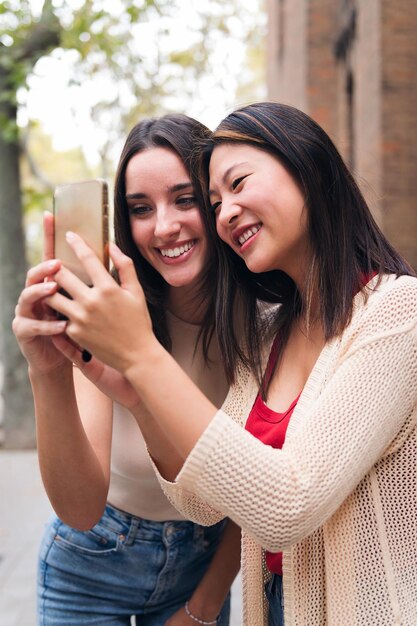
(39, 376)
(200, 615)
(142, 367)
(205, 608)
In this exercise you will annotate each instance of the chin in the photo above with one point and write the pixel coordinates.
(180, 281)
(257, 267)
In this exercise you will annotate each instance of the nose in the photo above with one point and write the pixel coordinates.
(229, 212)
(167, 225)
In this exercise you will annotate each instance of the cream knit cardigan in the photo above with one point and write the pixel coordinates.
(340, 498)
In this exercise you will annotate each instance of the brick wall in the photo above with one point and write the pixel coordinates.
(287, 52)
(351, 65)
(399, 123)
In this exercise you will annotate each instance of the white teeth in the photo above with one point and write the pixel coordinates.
(175, 252)
(248, 233)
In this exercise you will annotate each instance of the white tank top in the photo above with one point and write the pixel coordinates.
(134, 487)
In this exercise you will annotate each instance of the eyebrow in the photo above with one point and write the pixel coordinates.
(227, 174)
(173, 189)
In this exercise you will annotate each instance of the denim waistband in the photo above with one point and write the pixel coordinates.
(132, 527)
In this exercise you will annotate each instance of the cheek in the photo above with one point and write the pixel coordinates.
(194, 222)
(221, 231)
(141, 234)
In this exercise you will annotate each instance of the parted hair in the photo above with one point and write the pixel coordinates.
(346, 243)
(178, 133)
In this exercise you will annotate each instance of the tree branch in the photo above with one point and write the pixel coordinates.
(33, 166)
(44, 36)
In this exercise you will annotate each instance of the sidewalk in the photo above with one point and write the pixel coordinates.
(24, 510)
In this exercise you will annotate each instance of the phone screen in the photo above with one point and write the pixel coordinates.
(82, 208)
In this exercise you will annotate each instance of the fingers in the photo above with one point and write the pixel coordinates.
(48, 236)
(89, 259)
(125, 268)
(32, 295)
(26, 328)
(73, 285)
(70, 350)
(42, 271)
(74, 354)
(95, 269)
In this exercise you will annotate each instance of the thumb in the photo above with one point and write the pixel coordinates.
(125, 268)
(48, 236)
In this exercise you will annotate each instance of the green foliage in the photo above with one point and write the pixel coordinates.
(108, 45)
(9, 131)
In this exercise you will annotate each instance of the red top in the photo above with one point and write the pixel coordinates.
(270, 427)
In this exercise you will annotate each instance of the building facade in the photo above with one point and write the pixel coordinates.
(352, 66)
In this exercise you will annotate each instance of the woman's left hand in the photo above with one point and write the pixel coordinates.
(111, 382)
(109, 320)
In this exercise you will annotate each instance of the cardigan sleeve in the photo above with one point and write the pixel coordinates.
(281, 496)
(237, 404)
(188, 503)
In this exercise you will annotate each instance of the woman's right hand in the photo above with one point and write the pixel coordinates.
(35, 323)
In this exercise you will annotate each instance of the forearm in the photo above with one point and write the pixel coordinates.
(163, 453)
(182, 411)
(208, 598)
(71, 472)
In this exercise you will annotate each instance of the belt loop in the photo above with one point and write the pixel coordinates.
(133, 529)
(169, 531)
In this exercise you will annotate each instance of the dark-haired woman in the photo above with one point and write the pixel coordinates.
(320, 469)
(117, 547)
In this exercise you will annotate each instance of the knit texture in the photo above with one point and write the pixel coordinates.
(340, 498)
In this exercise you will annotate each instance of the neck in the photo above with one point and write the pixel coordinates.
(186, 304)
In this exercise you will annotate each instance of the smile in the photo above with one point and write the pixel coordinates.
(177, 251)
(247, 234)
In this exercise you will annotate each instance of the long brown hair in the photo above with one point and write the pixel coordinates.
(345, 241)
(179, 133)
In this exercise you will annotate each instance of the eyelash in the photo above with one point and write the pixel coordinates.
(187, 200)
(183, 202)
(139, 210)
(235, 183)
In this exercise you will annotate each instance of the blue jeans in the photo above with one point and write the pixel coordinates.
(125, 566)
(273, 591)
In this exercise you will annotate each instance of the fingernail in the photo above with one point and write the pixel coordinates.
(69, 235)
(86, 356)
(51, 265)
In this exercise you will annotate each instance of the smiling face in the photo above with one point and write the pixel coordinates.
(260, 209)
(165, 219)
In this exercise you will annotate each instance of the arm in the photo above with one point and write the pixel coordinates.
(210, 595)
(74, 470)
(237, 405)
(74, 453)
(324, 460)
(117, 387)
(366, 410)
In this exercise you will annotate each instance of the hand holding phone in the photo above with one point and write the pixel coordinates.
(82, 208)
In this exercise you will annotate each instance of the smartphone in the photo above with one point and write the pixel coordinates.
(83, 208)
